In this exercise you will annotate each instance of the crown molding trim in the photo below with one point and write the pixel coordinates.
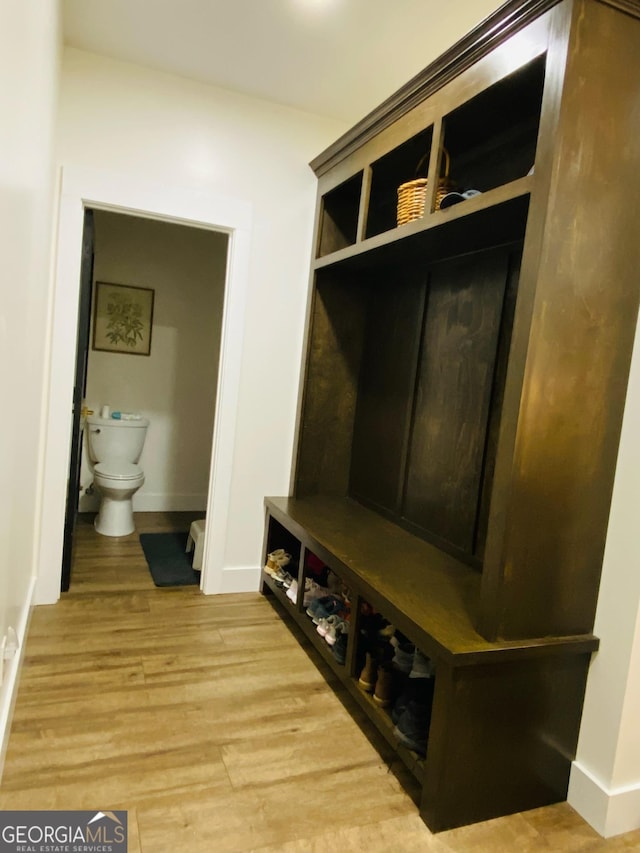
(511, 17)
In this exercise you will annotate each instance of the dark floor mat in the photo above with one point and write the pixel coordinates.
(169, 564)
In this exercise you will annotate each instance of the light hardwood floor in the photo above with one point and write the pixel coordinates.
(206, 720)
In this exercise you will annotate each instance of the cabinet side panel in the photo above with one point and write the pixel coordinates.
(580, 342)
(507, 734)
(331, 383)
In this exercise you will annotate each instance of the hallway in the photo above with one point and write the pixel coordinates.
(174, 706)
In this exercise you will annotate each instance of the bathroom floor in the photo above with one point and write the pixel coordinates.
(122, 565)
(204, 718)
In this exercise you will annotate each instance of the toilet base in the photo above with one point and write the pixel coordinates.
(115, 517)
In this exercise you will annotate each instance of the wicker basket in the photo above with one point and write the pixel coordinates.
(412, 194)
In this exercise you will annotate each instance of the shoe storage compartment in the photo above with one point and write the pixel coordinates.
(397, 680)
(504, 720)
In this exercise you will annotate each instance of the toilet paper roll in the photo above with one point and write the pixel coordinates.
(105, 412)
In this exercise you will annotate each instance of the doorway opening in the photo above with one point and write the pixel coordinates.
(181, 269)
(83, 189)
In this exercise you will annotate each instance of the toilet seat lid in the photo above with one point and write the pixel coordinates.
(118, 469)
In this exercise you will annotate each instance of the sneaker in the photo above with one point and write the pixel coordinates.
(313, 590)
(403, 657)
(326, 624)
(416, 690)
(283, 578)
(412, 727)
(335, 630)
(321, 608)
(292, 592)
(400, 706)
(422, 666)
(276, 560)
(339, 648)
(411, 734)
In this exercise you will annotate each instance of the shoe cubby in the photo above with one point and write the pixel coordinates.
(318, 596)
(281, 564)
(399, 681)
(339, 213)
(485, 701)
(280, 539)
(492, 138)
(326, 602)
(405, 163)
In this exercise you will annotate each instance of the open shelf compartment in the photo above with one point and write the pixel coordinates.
(492, 138)
(405, 163)
(339, 216)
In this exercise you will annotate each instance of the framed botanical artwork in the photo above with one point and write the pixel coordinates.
(122, 318)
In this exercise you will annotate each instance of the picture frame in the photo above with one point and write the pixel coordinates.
(122, 318)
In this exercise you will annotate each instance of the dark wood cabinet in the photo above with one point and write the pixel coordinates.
(465, 383)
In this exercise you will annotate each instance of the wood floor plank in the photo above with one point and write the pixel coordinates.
(379, 836)
(274, 813)
(208, 722)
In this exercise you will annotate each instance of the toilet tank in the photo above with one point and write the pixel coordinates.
(111, 439)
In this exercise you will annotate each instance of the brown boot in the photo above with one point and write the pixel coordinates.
(367, 680)
(383, 695)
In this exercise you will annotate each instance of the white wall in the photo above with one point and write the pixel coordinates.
(175, 386)
(605, 780)
(184, 136)
(29, 63)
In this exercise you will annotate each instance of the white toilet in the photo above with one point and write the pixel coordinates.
(114, 447)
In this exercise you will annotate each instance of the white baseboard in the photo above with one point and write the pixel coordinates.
(242, 579)
(609, 811)
(153, 503)
(9, 687)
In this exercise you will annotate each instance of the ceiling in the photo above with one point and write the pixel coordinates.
(337, 58)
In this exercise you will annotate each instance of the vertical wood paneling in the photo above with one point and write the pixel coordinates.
(386, 391)
(333, 366)
(455, 379)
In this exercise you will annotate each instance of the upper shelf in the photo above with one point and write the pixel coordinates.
(486, 144)
(494, 218)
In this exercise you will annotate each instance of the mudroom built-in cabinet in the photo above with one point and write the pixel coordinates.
(463, 390)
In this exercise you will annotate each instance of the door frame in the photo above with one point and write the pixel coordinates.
(81, 188)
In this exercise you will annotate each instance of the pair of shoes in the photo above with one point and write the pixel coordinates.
(417, 673)
(282, 578)
(377, 678)
(403, 655)
(421, 666)
(327, 605)
(331, 627)
(276, 560)
(313, 590)
(413, 719)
